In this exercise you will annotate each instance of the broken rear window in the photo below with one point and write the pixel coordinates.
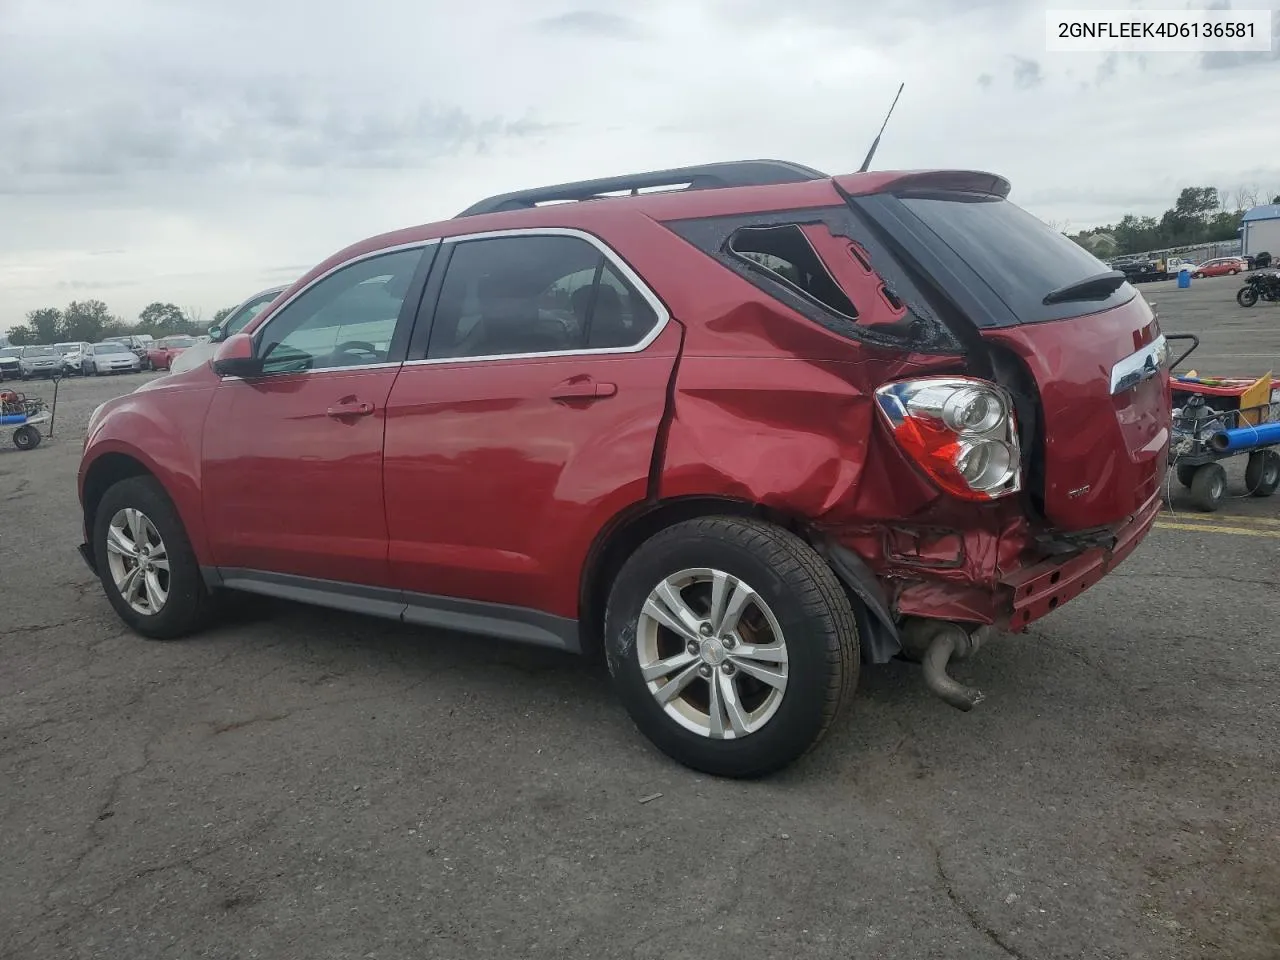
(786, 254)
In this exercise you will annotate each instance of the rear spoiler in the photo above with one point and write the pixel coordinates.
(912, 181)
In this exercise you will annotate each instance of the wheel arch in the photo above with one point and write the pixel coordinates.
(101, 475)
(627, 531)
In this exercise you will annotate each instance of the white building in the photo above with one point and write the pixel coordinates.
(1260, 230)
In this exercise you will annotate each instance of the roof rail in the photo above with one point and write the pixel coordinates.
(709, 176)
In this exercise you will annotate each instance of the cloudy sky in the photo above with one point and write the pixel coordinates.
(195, 151)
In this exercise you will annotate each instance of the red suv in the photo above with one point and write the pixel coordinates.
(746, 433)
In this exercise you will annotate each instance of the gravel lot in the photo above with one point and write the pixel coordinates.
(304, 784)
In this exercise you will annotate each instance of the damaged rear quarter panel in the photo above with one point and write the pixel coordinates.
(770, 408)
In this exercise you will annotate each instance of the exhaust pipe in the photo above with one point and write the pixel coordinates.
(936, 678)
(935, 643)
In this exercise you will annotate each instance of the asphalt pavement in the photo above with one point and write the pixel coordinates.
(299, 783)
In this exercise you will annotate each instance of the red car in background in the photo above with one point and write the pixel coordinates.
(1221, 267)
(160, 355)
(746, 434)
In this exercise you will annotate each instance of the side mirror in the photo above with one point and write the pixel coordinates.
(216, 333)
(235, 358)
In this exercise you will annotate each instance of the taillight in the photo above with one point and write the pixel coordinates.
(961, 431)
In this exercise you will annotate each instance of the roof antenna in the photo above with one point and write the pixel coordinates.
(866, 164)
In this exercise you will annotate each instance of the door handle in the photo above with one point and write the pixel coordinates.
(351, 409)
(583, 390)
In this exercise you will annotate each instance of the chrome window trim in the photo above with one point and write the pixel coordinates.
(663, 316)
(615, 259)
(311, 373)
(360, 258)
(369, 255)
(1142, 364)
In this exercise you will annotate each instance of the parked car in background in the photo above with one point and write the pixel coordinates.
(10, 363)
(1140, 269)
(72, 355)
(39, 360)
(1219, 267)
(138, 343)
(111, 356)
(234, 322)
(164, 351)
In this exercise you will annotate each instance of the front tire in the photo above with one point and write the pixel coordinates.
(731, 644)
(1247, 297)
(145, 561)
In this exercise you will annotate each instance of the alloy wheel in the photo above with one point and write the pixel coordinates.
(712, 654)
(138, 561)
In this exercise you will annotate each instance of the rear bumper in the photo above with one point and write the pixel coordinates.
(1011, 594)
(1041, 588)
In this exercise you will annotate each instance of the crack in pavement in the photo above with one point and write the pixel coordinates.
(241, 724)
(105, 812)
(39, 627)
(190, 862)
(1199, 578)
(968, 913)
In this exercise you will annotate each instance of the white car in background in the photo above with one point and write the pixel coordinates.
(73, 355)
(234, 322)
(111, 357)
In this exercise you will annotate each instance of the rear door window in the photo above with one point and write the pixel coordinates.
(1020, 257)
(533, 295)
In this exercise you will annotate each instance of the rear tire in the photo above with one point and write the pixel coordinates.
(1209, 487)
(777, 701)
(1262, 475)
(187, 604)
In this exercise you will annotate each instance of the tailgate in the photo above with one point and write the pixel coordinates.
(1086, 336)
(1104, 391)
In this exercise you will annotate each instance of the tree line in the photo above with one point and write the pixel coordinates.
(1199, 215)
(91, 321)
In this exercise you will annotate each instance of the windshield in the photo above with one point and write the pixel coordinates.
(176, 342)
(66, 347)
(41, 351)
(110, 348)
(1020, 257)
(11, 352)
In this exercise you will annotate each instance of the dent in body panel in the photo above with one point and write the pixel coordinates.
(807, 443)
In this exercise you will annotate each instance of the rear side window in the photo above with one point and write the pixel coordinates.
(789, 258)
(1021, 258)
(522, 295)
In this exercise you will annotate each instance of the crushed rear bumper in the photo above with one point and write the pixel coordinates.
(1043, 587)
